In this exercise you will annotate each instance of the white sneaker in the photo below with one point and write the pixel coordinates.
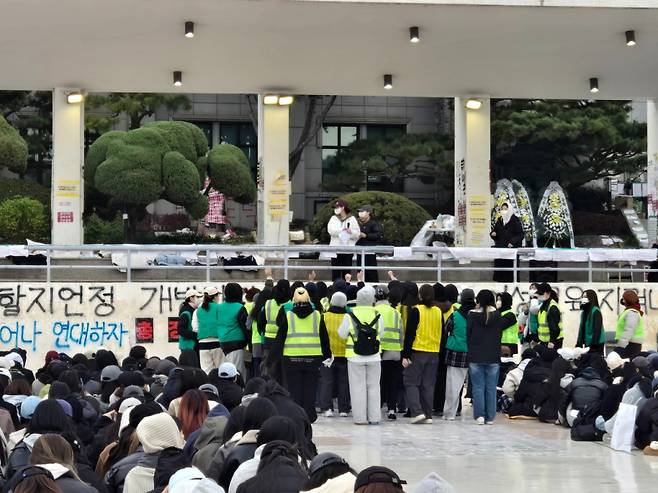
(418, 419)
(328, 413)
(480, 420)
(428, 421)
(344, 415)
(489, 422)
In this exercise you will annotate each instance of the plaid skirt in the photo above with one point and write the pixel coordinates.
(456, 359)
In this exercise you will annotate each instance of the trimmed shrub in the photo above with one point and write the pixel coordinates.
(399, 217)
(13, 148)
(98, 230)
(15, 187)
(180, 179)
(198, 209)
(228, 169)
(22, 218)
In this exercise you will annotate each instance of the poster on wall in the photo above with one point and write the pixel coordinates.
(143, 330)
(172, 329)
(478, 221)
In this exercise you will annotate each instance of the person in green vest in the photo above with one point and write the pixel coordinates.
(510, 334)
(456, 357)
(232, 329)
(591, 333)
(391, 345)
(630, 326)
(267, 326)
(303, 342)
(550, 330)
(206, 324)
(187, 338)
(257, 339)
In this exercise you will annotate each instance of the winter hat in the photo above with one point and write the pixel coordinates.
(17, 358)
(338, 299)
(567, 353)
(110, 373)
(365, 296)
(179, 482)
(51, 355)
(137, 352)
(138, 413)
(433, 483)
(227, 370)
(615, 361)
(66, 407)
(467, 295)
(152, 363)
(159, 432)
(28, 407)
(133, 392)
(164, 367)
(653, 360)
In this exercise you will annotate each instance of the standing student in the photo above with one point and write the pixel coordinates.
(457, 353)
(267, 326)
(420, 355)
(187, 338)
(391, 345)
(550, 330)
(257, 338)
(335, 376)
(363, 358)
(206, 323)
(371, 235)
(507, 233)
(591, 333)
(483, 329)
(303, 341)
(344, 230)
(630, 326)
(534, 304)
(233, 332)
(510, 335)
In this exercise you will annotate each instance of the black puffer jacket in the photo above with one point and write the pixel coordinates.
(646, 424)
(585, 390)
(116, 476)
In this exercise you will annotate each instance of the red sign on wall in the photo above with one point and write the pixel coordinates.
(172, 329)
(65, 217)
(144, 330)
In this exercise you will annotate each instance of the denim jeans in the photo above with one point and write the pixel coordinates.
(484, 378)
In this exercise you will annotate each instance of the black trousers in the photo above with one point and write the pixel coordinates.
(631, 351)
(302, 377)
(390, 383)
(370, 261)
(335, 381)
(341, 260)
(503, 275)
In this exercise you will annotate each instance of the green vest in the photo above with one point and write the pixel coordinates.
(303, 338)
(208, 321)
(365, 314)
(589, 328)
(184, 343)
(255, 336)
(391, 339)
(543, 331)
(510, 335)
(229, 329)
(533, 324)
(457, 338)
(621, 321)
(271, 311)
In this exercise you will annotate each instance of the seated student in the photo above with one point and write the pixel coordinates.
(386, 481)
(330, 473)
(646, 423)
(582, 392)
(515, 375)
(230, 391)
(279, 471)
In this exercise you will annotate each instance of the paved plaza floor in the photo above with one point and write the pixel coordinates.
(510, 456)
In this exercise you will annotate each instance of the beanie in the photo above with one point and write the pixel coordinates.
(365, 296)
(138, 413)
(68, 410)
(467, 295)
(28, 407)
(338, 299)
(159, 432)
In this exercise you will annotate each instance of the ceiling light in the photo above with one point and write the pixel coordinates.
(594, 84)
(270, 99)
(178, 78)
(388, 81)
(473, 104)
(286, 100)
(414, 34)
(630, 38)
(189, 29)
(74, 97)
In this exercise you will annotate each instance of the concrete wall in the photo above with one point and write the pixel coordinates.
(79, 317)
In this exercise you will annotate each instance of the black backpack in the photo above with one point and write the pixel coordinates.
(366, 342)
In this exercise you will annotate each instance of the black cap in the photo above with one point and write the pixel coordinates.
(321, 461)
(543, 288)
(366, 208)
(378, 474)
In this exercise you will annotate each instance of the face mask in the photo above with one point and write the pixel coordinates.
(363, 215)
(532, 292)
(338, 210)
(584, 302)
(499, 304)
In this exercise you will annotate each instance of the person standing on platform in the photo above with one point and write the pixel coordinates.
(550, 330)
(344, 230)
(510, 335)
(630, 326)
(591, 333)
(507, 233)
(187, 338)
(233, 332)
(206, 323)
(371, 235)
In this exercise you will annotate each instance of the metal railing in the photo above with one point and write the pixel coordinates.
(437, 260)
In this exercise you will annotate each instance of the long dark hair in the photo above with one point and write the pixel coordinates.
(592, 297)
(234, 423)
(263, 297)
(426, 295)
(258, 411)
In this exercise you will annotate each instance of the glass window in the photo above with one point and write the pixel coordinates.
(348, 135)
(334, 138)
(330, 136)
(383, 132)
(206, 128)
(242, 135)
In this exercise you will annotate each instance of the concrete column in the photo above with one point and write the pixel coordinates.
(652, 171)
(67, 195)
(472, 174)
(273, 180)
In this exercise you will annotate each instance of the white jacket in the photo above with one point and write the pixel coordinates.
(352, 231)
(339, 484)
(513, 379)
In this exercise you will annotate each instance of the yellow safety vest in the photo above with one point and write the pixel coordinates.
(510, 335)
(365, 314)
(332, 322)
(391, 339)
(303, 338)
(543, 332)
(428, 333)
(255, 336)
(271, 311)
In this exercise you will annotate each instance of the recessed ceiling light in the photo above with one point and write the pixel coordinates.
(178, 78)
(630, 38)
(189, 29)
(594, 85)
(414, 34)
(388, 81)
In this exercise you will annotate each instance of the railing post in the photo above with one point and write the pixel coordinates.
(439, 256)
(207, 266)
(128, 266)
(516, 268)
(363, 261)
(48, 272)
(286, 254)
(589, 269)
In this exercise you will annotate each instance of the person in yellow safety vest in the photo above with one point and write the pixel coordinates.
(364, 370)
(303, 342)
(630, 326)
(510, 334)
(420, 355)
(335, 376)
(254, 305)
(268, 328)
(391, 345)
(551, 330)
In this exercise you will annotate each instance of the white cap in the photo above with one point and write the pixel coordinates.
(192, 292)
(615, 361)
(211, 291)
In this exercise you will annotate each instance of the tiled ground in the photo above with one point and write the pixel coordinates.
(510, 457)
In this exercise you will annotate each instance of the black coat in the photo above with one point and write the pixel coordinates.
(512, 232)
(373, 232)
(289, 479)
(236, 456)
(483, 337)
(585, 390)
(116, 476)
(646, 424)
